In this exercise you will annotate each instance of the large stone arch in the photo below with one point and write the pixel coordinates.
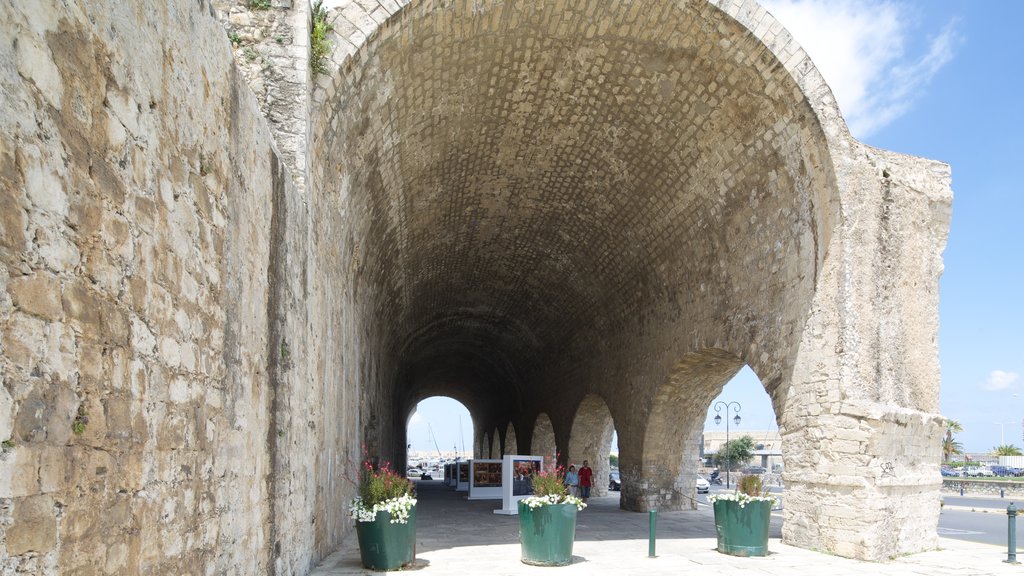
(591, 438)
(648, 184)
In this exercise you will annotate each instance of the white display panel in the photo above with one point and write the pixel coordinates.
(516, 470)
(462, 477)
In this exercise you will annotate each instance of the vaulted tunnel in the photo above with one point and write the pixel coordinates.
(525, 204)
(543, 211)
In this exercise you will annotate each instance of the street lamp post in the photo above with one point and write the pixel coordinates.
(718, 420)
(1002, 436)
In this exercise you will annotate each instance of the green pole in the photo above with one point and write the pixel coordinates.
(1011, 534)
(653, 520)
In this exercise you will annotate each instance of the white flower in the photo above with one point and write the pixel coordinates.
(399, 509)
(742, 498)
(538, 501)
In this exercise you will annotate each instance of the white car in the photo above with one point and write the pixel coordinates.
(702, 485)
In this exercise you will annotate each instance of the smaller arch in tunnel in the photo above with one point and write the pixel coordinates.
(542, 441)
(510, 444)
(663, 476)
(590, 439)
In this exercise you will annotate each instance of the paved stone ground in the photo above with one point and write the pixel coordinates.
(457, 536)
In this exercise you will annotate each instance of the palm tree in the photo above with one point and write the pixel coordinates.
(1006, 450)
(949, 445)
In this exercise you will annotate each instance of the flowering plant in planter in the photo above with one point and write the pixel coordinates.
(742, 519)
(382, 489)
(549, 488)
(748, 489)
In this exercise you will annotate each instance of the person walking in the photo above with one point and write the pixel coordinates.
(572, 480)
(586, 480)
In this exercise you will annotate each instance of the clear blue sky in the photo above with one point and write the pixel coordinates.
(941, 79)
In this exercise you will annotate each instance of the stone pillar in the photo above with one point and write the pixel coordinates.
(860, 431)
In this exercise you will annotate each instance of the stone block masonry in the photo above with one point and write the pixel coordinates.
(151, 304)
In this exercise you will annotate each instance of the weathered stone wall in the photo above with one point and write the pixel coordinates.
(152, 303)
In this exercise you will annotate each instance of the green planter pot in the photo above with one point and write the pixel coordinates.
(387, 546)
(546, 534)
(742, 531)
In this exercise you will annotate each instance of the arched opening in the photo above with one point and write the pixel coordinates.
(743, 396)
(542, 442)
(591, 439)
(437, 428)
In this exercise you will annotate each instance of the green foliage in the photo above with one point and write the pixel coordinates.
(8, 444)
(735, 452)
(259, 4)
(380, 483)
(80, 421)
(234, 37)
(1006, 450)
(319, 46)
(613, 459)
(751, 485)
(950, 446)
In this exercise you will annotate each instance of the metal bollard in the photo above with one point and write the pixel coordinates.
(653, 519)
(1002, 493)
(961, 489)
(1011, 534)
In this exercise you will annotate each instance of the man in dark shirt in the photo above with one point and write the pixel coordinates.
(586, 481)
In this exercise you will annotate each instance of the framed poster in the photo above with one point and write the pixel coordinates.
(485, 476)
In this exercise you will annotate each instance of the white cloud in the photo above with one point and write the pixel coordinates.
(999, 380)
(859, 47)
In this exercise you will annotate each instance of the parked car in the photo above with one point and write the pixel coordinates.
(413, 472)
(754, 470)
(614, 482)
(703, 486)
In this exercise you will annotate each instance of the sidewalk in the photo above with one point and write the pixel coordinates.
(456, 536)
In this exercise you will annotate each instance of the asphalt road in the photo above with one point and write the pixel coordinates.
(993, 503)
(977, 527)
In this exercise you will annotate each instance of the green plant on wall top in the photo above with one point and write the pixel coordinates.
(259, 4)
(319, 46)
